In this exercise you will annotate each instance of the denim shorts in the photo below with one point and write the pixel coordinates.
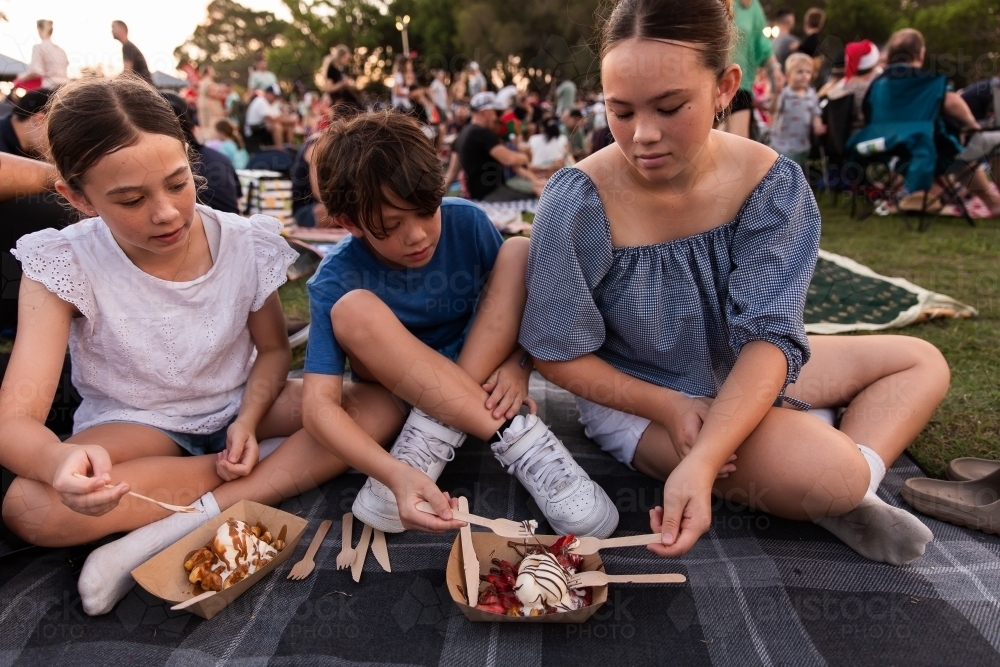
(196, 444)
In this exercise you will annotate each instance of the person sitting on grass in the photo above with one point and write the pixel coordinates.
(425, 300)
(177, 338)
(479, 153)
(673, 266)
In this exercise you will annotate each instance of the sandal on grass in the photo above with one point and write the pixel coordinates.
(968, 468)
(974, 504)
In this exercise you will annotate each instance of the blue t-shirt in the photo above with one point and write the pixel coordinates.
(435, 302)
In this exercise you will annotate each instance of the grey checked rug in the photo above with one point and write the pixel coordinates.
(760, 591)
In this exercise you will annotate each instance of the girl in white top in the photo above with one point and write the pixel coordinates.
(178, 344)
(549, 149)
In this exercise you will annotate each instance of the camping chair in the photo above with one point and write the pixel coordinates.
(906, 146)
(838, 116)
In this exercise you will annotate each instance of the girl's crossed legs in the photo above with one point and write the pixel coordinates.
(154, 466)
(797, 467)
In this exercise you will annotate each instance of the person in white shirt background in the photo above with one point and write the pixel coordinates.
(439, 93)
(477, 82)
(48, 61)
(262, 127)
(549, 149)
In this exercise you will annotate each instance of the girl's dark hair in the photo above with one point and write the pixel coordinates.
(356, 159)
(226, 129)
(551, 128)
(707, 23)
(91, 118)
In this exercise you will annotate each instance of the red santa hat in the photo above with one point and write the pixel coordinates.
(859, 57)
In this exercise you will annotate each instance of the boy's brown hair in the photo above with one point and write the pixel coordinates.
(358, 159)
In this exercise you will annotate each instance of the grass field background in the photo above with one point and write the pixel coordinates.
(962, 262)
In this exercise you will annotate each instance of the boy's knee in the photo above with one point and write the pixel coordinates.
(353, 313)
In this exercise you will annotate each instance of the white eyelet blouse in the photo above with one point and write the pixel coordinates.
(173, 355)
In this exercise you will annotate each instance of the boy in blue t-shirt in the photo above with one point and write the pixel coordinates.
(425, 300)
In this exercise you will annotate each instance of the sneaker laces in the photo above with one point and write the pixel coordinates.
(546, 465)
(420, 450)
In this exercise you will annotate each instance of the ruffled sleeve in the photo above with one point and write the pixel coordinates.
(570, 254)
(773, 259)
(47, 257)
(272, 255)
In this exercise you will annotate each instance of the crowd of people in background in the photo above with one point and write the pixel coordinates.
(502, 142)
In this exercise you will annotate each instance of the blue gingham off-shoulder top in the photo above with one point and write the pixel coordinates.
(675, 314)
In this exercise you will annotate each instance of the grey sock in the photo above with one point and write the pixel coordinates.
(880, 532)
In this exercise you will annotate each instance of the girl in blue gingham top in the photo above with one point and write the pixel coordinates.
(666, 283)
(675, 314)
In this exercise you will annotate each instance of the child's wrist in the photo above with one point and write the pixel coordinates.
(247, 423)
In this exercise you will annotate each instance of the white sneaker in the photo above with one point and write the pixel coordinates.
(424, 443)
(571, 501)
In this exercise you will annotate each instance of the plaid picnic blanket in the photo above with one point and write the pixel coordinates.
(760, 591)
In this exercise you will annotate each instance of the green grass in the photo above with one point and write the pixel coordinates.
(295, 301)
(962, 262)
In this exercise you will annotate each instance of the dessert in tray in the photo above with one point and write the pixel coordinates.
(236, 551)
(537, 584)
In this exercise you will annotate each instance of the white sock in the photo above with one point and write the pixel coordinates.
(880, 532)
(107, 574)
(876, 465)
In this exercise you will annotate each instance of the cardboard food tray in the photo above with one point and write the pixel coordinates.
(489, 546)
(164, 575)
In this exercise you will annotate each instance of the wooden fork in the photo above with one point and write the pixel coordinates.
(347, 553)
(591, 545)
(584, 579)
(185, 509)
(502, 527)
(305, 566)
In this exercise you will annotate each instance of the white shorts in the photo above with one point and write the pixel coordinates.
(615, 432)
(618, 433)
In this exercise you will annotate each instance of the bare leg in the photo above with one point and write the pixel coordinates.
(381, 348)
(153, 465)
(891, 386)
(981, 186)
(300, 463)
(793, 466)
(797, 467)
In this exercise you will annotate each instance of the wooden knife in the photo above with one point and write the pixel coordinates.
(359, 559)
(469, 558)
(381, 551)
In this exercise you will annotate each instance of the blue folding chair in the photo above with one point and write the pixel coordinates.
(906, 138)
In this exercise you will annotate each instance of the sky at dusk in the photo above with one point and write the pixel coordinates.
(83, 28)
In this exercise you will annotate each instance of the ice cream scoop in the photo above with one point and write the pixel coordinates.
(541, 583)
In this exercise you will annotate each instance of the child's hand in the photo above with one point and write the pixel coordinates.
(88, 496)
(689, 416)
(411, 486)
(241, 453)
(684, 430)
(508, 387)
(687, 509)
